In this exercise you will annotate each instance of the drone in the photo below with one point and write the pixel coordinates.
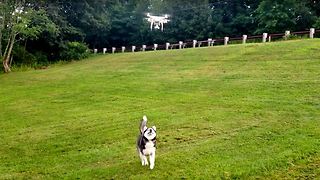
(157, 21)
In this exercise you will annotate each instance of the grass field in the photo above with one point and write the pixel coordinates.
(242, 111)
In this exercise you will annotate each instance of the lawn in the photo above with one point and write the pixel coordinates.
(241, 111)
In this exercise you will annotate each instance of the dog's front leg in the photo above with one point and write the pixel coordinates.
(145, 160)
(142, 157)
(152, 159)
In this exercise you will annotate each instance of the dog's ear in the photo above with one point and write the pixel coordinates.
(154, 128)
(145, 128)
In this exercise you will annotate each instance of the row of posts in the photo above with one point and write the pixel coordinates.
(210, 42)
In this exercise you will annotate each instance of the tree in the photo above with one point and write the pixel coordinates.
(14, 22)
(192, 21)
(92, 18)
(314, 6)
(280, 15)
(17, 26)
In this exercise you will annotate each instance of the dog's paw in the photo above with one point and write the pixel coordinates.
(145, 163)
(151, 166)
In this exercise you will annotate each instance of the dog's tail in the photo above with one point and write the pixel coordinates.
(143, 123)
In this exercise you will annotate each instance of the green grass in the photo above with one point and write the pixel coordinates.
(241, 111)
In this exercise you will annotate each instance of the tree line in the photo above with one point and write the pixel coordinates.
(39, 32)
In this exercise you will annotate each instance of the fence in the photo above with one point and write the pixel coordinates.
(265, 37)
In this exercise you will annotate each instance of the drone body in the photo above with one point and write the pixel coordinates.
(157, 21)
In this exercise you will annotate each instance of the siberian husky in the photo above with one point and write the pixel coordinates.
(146, 143)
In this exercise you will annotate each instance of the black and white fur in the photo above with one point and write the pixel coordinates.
(146, 143)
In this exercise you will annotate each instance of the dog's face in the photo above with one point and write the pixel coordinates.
(150, 133)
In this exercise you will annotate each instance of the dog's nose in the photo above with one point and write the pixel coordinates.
(150, 131)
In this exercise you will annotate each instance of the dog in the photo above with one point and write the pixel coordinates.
(146, 143)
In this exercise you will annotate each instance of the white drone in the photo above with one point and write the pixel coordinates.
(157, 21)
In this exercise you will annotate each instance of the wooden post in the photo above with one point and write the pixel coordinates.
(133, 48)
(209, 42)
(167, 46)
(104, 50)
(95, 51)
(226, 40)
(312, 31)
(113, 50)
(180, 44)
(155, 46)
(194, 43)
(264, 37)
(144, 47)
(270, 38)
(123, 49)
(286, 35)
(244, 39)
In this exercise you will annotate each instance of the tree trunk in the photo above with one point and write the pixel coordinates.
(1, 29)
(0, 42)
(6, 66)
(7, 55)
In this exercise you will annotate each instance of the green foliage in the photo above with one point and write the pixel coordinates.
(275, 16)
(74, 51)
(280, 15)
(296, 37)
(305, 16)
(44, 25)
(22, 57)
(317, 23)
(25, 22)
(21, 22)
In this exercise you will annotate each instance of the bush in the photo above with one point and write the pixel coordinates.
(74, 51)
(317, 24)
(22, 57)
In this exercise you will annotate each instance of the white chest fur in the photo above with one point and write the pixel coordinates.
(150, 149)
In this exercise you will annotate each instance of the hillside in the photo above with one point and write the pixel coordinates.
(237, 111)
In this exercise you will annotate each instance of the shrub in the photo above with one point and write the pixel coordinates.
(317, 23)
(22, 57)
(74, 51)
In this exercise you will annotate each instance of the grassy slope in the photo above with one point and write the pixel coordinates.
(236, 111)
